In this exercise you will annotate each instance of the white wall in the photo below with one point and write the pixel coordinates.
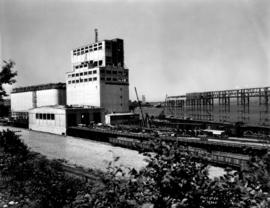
(56, 126)
(47, 97)
(93, 55)
(85, 93)
(21, 101)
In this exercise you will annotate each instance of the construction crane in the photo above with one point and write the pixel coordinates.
(140, 106)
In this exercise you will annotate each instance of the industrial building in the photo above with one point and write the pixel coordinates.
(99, 76)
(56, 119)
(249, 106)
(25, 98)
(97, 84)
(122, 118)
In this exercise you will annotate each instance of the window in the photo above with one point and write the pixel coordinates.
(85, 80)
(95, 49)
(108, 78)
(95, 71)
(108, 72)
(90, 72)
(108, 59)
(77, 75)
(37, 116)
(43, 116)
(85, 73)
(94, 79)
(102, 71)
(90, 79)
(100, 47)
(48, 116)
(73, 81)
(52, 116)
(81, 80)
(77, 81)
(100, 63)
(73, 75)
(114, 79)
(81, 74)
(95, 63)
(90, 65)
(69, 82)
(102, 78)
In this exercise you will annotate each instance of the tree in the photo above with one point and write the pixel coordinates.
(7, 76)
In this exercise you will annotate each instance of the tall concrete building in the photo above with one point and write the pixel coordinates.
(99, 77)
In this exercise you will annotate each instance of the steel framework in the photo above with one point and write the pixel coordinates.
(249, 105)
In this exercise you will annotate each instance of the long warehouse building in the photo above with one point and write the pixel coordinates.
(250, 106)
(25, 98)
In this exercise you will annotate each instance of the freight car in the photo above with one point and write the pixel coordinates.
(216, 157)
(222, 158)
(129, 143)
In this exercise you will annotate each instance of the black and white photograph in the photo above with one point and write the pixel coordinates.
(135, 103)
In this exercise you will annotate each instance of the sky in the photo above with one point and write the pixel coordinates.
(172, 47)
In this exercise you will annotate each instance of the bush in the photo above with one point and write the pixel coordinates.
(38, 181)
(171, 179)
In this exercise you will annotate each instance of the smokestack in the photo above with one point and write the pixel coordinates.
(96, 35)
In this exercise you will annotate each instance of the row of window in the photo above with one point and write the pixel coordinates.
(77, 53)
(88, 47)
(102, 71)
(82, 73)
(82, 80)
(45, 116)
(95, 79)
(89, 64)
(113, 79)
